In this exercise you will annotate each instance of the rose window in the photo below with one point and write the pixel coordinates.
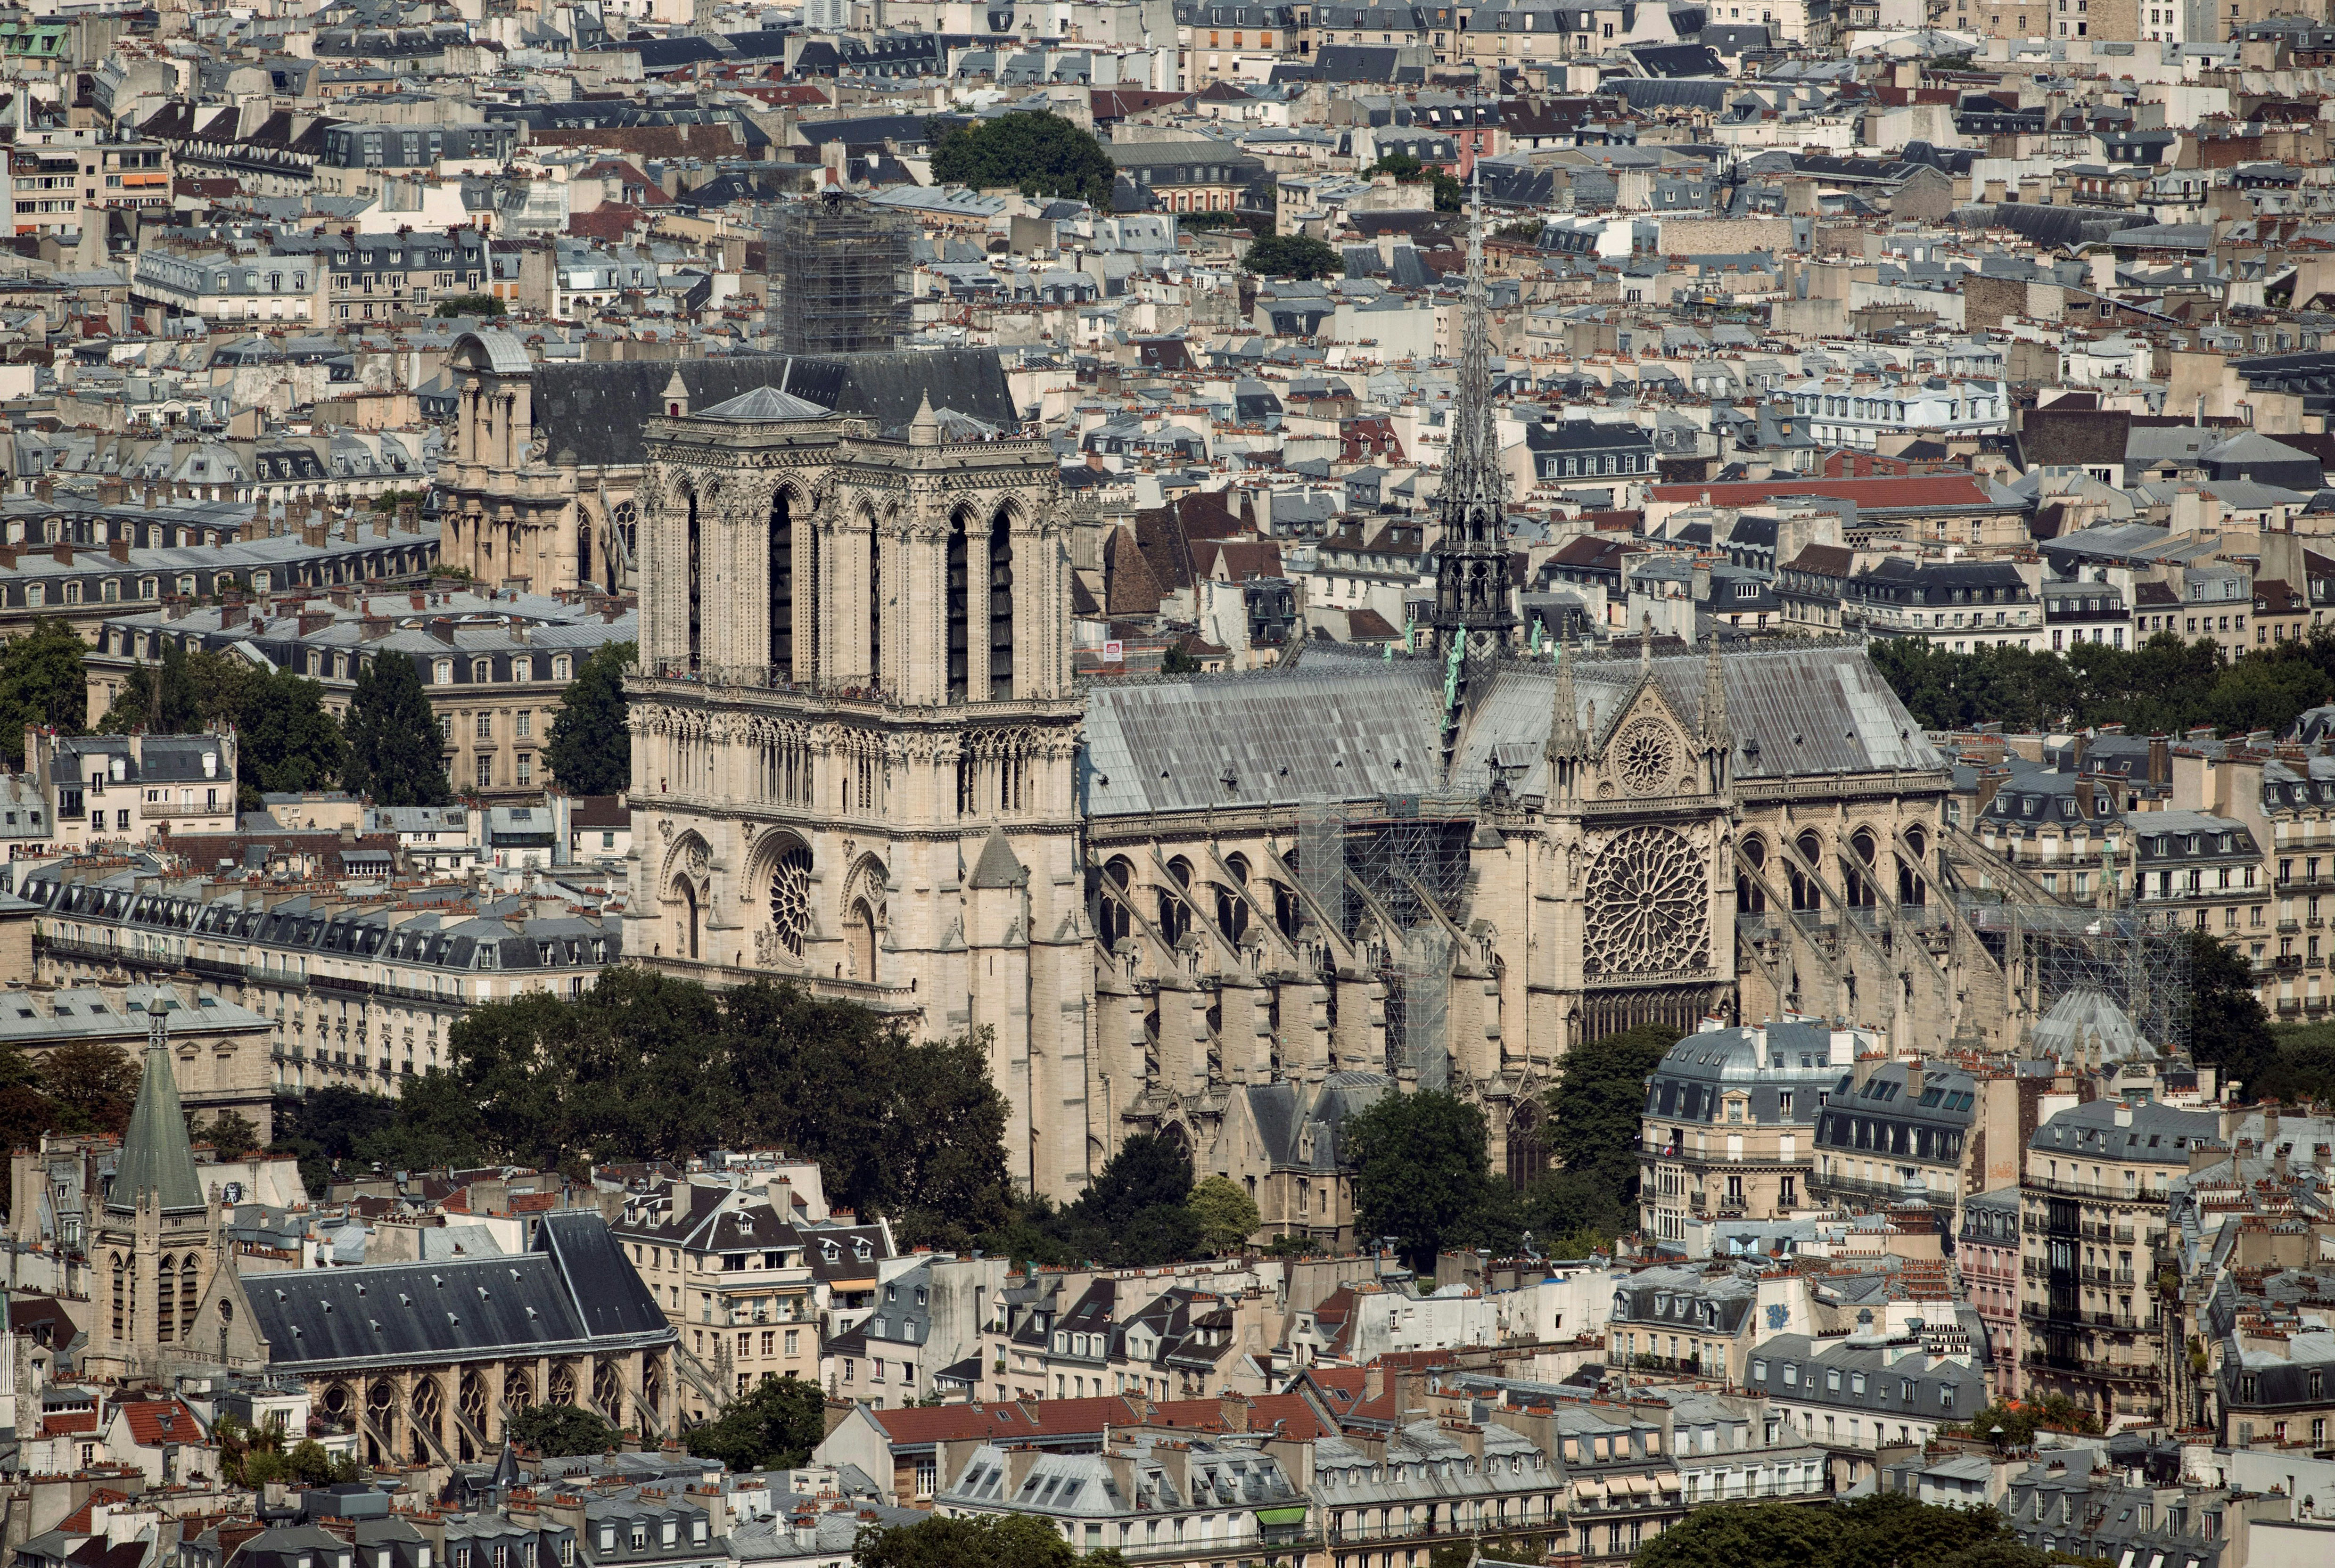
(1648, 908)
(790, 898)
(1645, 758)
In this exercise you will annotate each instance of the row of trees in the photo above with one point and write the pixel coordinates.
(646, 1066)
(1142, 1210)
(388, 746)
(90, 1087)
(2162, 687)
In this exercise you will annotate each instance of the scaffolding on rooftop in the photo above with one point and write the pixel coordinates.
(844, 273)
(2051, 951)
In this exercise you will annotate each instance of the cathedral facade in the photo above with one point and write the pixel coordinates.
(1228, 908)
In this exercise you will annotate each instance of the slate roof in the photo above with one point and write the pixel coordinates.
(595, 413)
(1343, 726)
(574, 1292)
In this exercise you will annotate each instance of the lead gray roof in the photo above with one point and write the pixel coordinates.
(1343, 727)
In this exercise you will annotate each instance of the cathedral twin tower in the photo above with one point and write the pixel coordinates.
(855, 726)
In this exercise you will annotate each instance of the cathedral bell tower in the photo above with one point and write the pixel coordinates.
(854, 728)
(155, 1243)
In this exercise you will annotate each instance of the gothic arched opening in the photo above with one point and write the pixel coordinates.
(783, 586)
(696, 591)
(1528, 1154)
(1000, 606)
(960, 617)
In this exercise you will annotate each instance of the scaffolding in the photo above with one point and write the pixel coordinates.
(2047, 951)
(1392, 875)
(843, 272)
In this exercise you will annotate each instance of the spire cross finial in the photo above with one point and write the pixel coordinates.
(158, 1024)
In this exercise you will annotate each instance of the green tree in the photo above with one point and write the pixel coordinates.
(2021, 1420)
(230, 1134)
(1292, 256)
(773, 1427)
(1422, 1175)
(1887, 1530)
(561, 1431)
(485, 304)
(2228, 1028)
(1450, 195)
(2305, 1068)
(91, 1084)
(394, 743)
(1035, 152)
(285, 740)
(41, 683)
(591, 750)
(25, 1110)
(1176, 661)
(1597, 1102)
(1228, 1216)
(981, 1541)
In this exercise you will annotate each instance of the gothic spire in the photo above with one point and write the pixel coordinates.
(157, 1160)
(1714, 700)
(1472, 599)
(1471, 473)
(1563, 725)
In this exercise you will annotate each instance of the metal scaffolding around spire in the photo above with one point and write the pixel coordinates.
(1473, 602)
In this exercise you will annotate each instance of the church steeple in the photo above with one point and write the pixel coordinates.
(1472, 601)
(157, 1160)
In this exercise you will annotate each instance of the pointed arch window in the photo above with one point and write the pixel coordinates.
(696, 589)
(782, 586)
(1001, 606)
(959, 612)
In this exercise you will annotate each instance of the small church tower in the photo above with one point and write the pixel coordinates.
(155, 1243)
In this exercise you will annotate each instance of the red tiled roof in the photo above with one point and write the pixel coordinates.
(1903, 490)
(995, 1423)
(148, 1420)
(68, 1423)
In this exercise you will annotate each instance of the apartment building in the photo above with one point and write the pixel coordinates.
(362, 987)
(1897, 1133)
(1986, 1252)
(125, 789)
(728, 1259)
(2092, 1223)
(1862, 1393)
(1731, 1118)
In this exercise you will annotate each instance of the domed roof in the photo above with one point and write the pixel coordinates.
(2085, 1025)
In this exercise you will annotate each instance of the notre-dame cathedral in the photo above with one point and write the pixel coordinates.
(1234, 907)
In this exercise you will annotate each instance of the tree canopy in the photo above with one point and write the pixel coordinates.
(1422, 1175)
(591, 749)
(646, 1066)
(1450, 195)
(1226, 1214)
(1292, 256)
(1136, 1214)
(562, 1431)
(773, 1427)
(41, 683)
(284, 739)
(395, 746)
(1598, 1100)
(2162, 687)
(1032, 152)
(2229, 1029)
(1887, 1530)
(982, 1540)
(92, 1086)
